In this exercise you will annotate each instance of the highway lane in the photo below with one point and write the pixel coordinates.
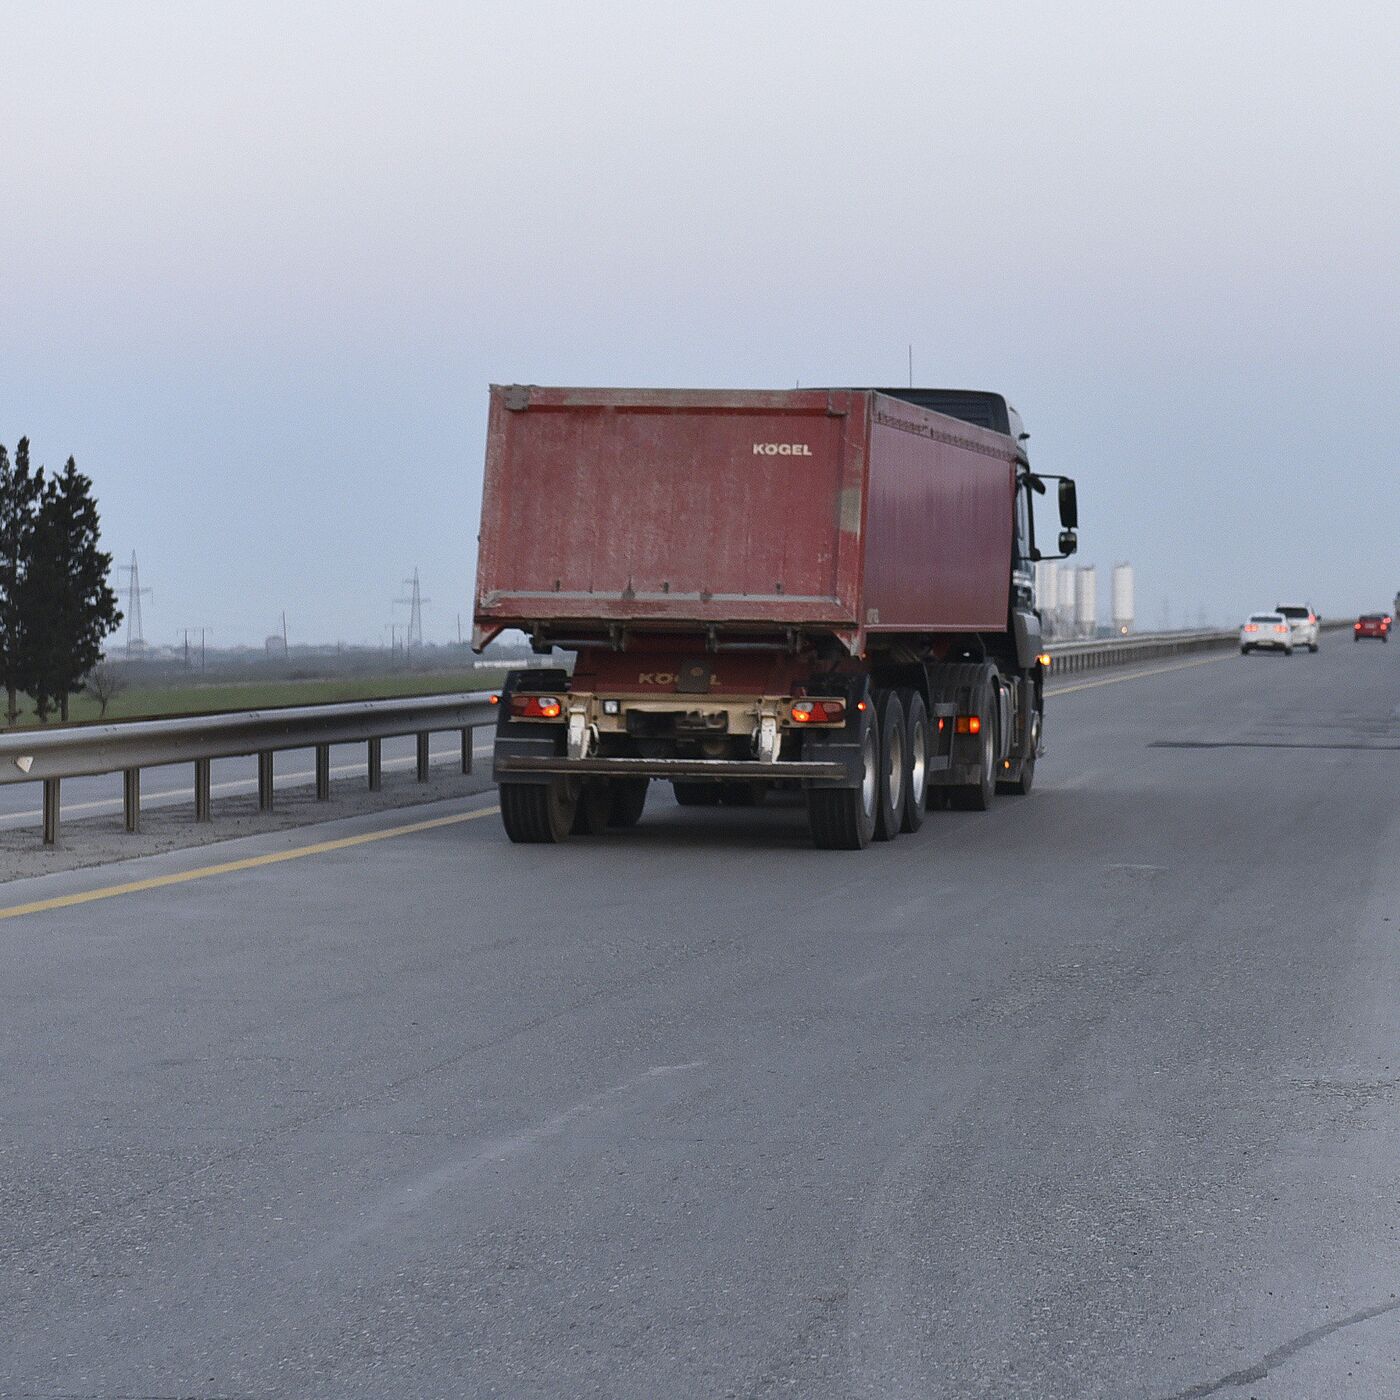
(21, 803)
(1090, 1095)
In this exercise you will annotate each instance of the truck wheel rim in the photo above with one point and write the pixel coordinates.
(870, 779)
(918, 769)
(895, 776)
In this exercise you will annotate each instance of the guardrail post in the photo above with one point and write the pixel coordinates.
(323, 772)
(51, 786)
(203, 808)
(422, 757)
(376, 764)
(265, 780)
(131, 798)
(467, 750)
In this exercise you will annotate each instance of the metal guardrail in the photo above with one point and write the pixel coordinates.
(1102, 652)
(128, 746)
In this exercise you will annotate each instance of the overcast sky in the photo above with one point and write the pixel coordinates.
(259, 262)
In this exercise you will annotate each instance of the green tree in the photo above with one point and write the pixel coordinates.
(67, 605)
(20, 490)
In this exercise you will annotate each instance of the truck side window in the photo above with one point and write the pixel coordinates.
(1023, 524)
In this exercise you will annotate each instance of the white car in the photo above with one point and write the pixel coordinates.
(1302, 623)
(1266, 631)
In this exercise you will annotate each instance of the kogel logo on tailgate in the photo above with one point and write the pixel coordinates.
(781, 449)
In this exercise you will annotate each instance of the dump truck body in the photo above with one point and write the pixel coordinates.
(842, 513)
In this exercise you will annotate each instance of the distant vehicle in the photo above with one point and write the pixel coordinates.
(1371, 625)
(1303, 622)
(1266, 632)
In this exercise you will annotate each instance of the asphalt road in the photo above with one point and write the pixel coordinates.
(1091, 1095)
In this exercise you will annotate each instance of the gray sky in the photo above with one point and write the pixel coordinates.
(259, 262)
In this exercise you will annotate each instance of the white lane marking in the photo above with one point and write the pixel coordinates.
(168, 795)
(1131, 676)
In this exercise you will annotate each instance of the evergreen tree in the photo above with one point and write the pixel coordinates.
(68, 608)
(20, 490)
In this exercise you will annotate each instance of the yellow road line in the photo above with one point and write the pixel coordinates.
(227, 867)
(1136, 675)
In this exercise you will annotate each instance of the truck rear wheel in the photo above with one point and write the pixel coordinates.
(627, 797)
(843, 819)
(977, 796)
(538, 813)
(917, 752)
(889, 810)
(696, 794)
(1021, 784)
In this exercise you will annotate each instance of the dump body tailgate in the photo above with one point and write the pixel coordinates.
(656, 507)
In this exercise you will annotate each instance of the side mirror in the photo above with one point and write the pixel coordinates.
(1069, 505)
(1069, 542)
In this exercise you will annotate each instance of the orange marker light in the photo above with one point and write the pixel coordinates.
(968, 724)
(1044, 658)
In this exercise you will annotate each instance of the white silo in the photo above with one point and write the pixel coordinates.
(1086, 601)
(1123, 598)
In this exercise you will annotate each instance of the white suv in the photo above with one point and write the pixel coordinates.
(1303, 624)
(1265, 631)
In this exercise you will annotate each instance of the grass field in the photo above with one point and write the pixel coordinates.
(153, 701)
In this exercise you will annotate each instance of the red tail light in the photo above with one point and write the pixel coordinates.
(819, 712)
(536, 706)
(1250, 627)
(1280, 627)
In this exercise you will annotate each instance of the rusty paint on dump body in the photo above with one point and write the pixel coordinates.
(838, 511)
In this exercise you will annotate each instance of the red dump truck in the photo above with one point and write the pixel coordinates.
(828, 589)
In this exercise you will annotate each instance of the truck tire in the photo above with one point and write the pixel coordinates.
(971, 685)
(1021, 784)
(843, 819)
(538, 813)
(894, 765)
(917, 752)
(696, 794)
(627, 797)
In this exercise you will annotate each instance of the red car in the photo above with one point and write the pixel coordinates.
(1371, 625)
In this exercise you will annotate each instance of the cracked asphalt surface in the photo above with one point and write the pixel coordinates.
(1092, 1095)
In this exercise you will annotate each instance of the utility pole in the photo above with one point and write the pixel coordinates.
(284, 631)
(415, 600)
(135, 638)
